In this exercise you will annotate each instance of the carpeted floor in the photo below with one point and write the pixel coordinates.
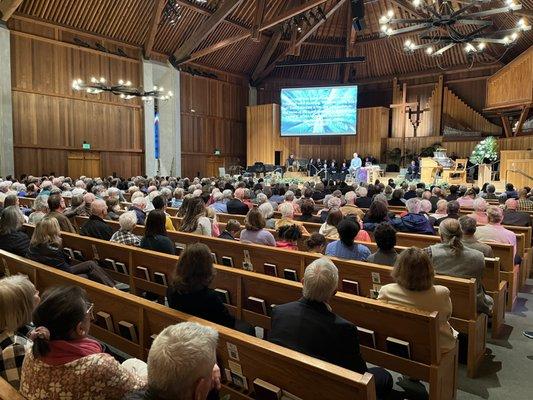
(507, 371)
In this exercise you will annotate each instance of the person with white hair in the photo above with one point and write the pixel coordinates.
(177, 199)
(219, 205)
(511, 216)
(12, 238)
(289, 198)
(331, 203)
(494, 231)
(287, 218)
(480, 207)
(125, 234)
(362, 200)
(181, 364)
(425, 209)
(46, 187)
(96, 227)
(267, 211)
(138, 205)
(40, 209)
(413, 221)
(310, 326)
(441, 210)
(350, 207)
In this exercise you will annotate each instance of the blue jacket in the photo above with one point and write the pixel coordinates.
(413, 223)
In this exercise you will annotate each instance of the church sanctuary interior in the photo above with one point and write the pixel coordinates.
(266, 199)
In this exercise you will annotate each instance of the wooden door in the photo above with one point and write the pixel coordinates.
(213, 164)
(83, 163)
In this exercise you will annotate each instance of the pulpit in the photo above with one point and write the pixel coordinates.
(428, 169)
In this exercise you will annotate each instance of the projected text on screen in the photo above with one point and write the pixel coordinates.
(319, 111)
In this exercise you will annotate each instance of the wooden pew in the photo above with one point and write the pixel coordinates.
(278, 365)
(231, 279)
(7, 392)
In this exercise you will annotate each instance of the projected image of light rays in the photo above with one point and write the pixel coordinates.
(319, 111)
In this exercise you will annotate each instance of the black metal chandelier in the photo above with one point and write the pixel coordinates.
(443, 25)
(123, 89)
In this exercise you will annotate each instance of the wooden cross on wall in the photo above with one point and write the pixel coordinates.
(404, 106)
(417, 113)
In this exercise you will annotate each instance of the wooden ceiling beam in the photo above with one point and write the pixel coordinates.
(259, 15)
(184, 51)
(408, 7)
(154, 23)
(349, 43)
(7, 8)
(201, 10)
(267, 54)
(284, 16)
(217, 46)
(302, 39)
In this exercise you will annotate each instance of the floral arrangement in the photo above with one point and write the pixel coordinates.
(485, 151)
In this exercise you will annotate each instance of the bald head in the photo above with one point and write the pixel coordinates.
(99, 208)
(511, 204)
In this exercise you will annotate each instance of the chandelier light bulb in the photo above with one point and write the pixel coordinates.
(155, 87)
(407, 43)
(383, 20)
(120, 82)
(390, 13)
(170, 93)
(93, 79)
(514, 36)
(102, 79)
(506, 40)
(128, 83)
(429, 50)
(389, 31)
(384, 28)
(481, 46)
(416, 3)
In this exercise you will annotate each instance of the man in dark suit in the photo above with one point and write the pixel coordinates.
(236, 205)
(310, 327)
(513, 217)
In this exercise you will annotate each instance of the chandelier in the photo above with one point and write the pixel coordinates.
(123, 89)
(443, 25)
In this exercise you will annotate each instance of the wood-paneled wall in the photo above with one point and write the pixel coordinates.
(50, 119)
(213, 116)
(263, 137)
(513, 84)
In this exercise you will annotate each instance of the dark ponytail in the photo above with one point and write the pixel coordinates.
(61, 309)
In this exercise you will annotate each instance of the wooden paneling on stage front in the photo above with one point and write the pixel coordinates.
(50, 119)
(462, 149)
(263, 137)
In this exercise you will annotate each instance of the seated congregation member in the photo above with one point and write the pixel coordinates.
(345, 246)
(12, 238)
(159, 204)
(56, 205)
(236, 204)
(350, 208)
(510, 191)
(212, 217)
(96, 227)
(413, 171)
(181, 364)
(511, 216)
(219, 204)
(413, 221)
(489, 192)
(329, 228)
(331, 203)
(468, 227)
(195, 220)
(18, 298)
(287, 218)
(155, 234)
(377, 213)
(138, 205)
(288, 236)
(480, 211)
(233, 227)
(414, 287)
(453, 189)
(524, 204)
(363, 200)
(397, 199)
(385, 236)
(494, 231)
(189, 291)
(113, 208)
(177, 199)
(77, 207)
(40, 209)
(45, 247)
(125, 234)
(452, 258)
(309, 326)
(411, 193)
(452, 211)
(308, 209)
(267, 211)
(255, 231)
(64, 362)
(467, 200)
(316, 244)
(425, 209)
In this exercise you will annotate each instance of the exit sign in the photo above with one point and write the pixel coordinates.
(86, 146)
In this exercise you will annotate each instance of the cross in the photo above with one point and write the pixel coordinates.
(417, 113)
(403, 106)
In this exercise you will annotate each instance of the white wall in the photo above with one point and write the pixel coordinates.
(7, 164)
(166, 76)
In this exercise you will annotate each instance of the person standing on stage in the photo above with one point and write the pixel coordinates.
(355, 165)
(290, 162)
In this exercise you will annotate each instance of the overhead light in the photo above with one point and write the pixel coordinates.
(123, 89)
(416, 3)
(429, 50)
(384, 28)
(481, 46)
(469, 48)
(390, 14)
(407, 43)
(389, 31)
(383, 20)
(514, 36)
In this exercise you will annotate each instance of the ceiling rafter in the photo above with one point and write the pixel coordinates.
(302, 39)
(259, 15)
(184, 51)
(8, 7)
(349, 43)
(154, 23)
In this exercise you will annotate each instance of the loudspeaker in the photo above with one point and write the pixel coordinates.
(358, 13)
(277, 158)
